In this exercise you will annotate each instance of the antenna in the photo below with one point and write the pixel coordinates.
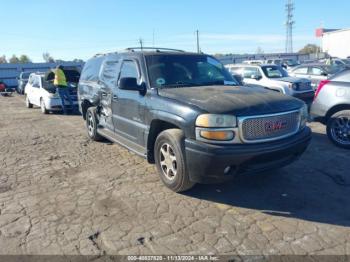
(141, 43)
(198, 48)
(289, 26)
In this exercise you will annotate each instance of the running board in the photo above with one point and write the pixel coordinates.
(137, 149)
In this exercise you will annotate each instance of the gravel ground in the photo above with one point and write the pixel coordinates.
(63, 194)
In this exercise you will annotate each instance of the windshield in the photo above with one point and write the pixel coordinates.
(186, 70)
(332, 69)
(274, 72)
(25, 75)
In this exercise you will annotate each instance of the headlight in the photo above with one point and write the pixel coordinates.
(293, 86)
(216, 121)
(304, 115)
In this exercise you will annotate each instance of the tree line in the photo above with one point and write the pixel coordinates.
(22, 59)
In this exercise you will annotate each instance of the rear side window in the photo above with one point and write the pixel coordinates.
(110, 71)
(343, 77)
(250, 71)
(301, 70)
(92, 69)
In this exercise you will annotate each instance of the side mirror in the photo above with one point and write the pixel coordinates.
(130, 83)
(324, 74)
(256, 77)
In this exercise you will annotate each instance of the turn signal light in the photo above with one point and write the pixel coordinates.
(217, 135)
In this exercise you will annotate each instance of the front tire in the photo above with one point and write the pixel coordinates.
(169, 151)
(28, 104)
(91, 124)
(43, 107)
(338, 129)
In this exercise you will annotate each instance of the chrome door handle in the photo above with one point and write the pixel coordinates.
(115, 97)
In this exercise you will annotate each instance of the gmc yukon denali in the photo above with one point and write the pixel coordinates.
(185, 113)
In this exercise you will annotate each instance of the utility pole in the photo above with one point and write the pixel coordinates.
(289, 26)
(141, 43)
(197, 34)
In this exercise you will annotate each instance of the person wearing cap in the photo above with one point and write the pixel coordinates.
(63, 90)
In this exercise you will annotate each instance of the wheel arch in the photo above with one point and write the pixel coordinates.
(335, 109)
(157, 126)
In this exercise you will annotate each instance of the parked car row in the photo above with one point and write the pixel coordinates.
(195, 119)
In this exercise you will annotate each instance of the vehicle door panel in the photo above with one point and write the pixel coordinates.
(316, 76)
(35, 96)
(128, 106)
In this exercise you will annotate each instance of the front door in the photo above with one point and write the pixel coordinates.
(128, 106)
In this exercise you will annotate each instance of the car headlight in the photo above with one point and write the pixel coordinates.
(293, 86)
(304, 115)
(216, 121)
(215, 127)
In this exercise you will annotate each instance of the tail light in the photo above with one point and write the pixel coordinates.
(320, 86)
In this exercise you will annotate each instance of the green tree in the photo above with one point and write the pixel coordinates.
(14, 59)
(3, 59)
(24, 59)
(309, 49)
(48, 58)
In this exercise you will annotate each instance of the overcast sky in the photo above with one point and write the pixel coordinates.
(70, 29)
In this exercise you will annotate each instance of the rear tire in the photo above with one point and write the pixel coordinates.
(28, 104)
(338, 129)
(43, 107)
(169, 152)
(91, 124)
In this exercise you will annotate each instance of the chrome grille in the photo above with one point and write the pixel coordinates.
(269, 127)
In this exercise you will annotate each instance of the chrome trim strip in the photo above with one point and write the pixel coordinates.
(242, 119)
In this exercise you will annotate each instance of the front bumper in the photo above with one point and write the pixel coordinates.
(307, 97)
(56, 104)
(206, 163)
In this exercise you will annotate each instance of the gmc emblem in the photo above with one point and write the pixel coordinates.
(275, 125)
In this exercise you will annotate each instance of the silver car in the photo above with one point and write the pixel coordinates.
(315, 72)
(331, 107)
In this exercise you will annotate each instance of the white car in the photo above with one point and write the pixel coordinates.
(41, 92)
(275, 78)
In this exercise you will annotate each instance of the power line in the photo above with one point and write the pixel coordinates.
(289, 26)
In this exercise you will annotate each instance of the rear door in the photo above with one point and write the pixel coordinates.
(108, 82)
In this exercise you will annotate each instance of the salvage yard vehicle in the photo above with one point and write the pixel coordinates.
(40, 90)
(185, 113)
(331, 107)
(275, 78)
(316, 72)
(22, 81)
(4, 90)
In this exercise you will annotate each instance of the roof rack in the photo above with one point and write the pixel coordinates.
(157, 49)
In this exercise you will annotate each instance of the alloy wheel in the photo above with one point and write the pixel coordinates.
(90, 124)
(168, 162)
(340, 130)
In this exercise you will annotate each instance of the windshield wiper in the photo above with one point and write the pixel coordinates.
(179, 84)
(213, 83)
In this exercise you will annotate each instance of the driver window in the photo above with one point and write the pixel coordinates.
(36, 82)
(316, 71)
(129, 69)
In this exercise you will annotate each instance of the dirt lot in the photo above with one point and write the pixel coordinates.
(62, 194)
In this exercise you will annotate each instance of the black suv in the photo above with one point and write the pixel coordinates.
(185, 112)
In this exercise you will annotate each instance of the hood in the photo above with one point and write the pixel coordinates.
(293, 80)
(237, 100)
